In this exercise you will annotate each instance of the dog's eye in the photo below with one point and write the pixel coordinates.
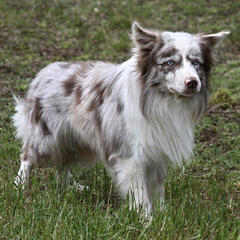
(170, 62)
(195, 62)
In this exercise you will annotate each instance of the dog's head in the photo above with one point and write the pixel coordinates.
(174, 62)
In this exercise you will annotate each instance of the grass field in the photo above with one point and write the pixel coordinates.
(202, 199)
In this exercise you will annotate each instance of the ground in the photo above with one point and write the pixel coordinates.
(202, 199)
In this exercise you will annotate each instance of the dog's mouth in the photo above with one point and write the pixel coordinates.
(186, 93)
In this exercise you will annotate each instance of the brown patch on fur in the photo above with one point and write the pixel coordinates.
(69, 85)
(146, 57)
(100, 91)
(91, 106)
(78, 94)
(168, 53)
(100, 95)
(82, 67)
(25, 151)
(98, 121)
(45, 128)
(37, 111)
(146, 61)
(207, 58)
(36, 117)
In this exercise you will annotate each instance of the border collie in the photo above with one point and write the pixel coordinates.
(137, 117)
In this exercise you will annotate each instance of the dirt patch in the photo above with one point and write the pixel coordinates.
(207, 135)
(214, 133)
(229, 114)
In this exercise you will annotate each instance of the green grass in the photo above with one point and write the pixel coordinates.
(202, 199)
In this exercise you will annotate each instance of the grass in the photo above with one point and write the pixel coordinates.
(202, 199)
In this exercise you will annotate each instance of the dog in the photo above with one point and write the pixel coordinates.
(137, 117)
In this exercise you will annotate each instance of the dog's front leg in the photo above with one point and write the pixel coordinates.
(159, 187)
(130, 177)
(138, 194)
(155, 176)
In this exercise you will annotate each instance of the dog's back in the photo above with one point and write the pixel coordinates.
(63, 110)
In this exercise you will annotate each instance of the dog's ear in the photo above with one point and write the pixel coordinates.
(214, 39)
(207, 44)
(143, 38)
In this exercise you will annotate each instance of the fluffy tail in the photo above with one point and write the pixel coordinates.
(21, 118)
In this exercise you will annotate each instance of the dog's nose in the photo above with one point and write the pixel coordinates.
(191, 82)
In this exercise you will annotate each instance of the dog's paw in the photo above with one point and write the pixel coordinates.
(20, 182)
(79, 187)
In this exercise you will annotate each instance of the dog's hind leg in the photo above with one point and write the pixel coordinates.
(83, 156)
(26, 166)
(23, 175)
(65, 177)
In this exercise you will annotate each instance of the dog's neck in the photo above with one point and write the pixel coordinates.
(166, 128)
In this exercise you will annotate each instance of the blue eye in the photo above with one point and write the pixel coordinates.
(170, 62)
(195, 62)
